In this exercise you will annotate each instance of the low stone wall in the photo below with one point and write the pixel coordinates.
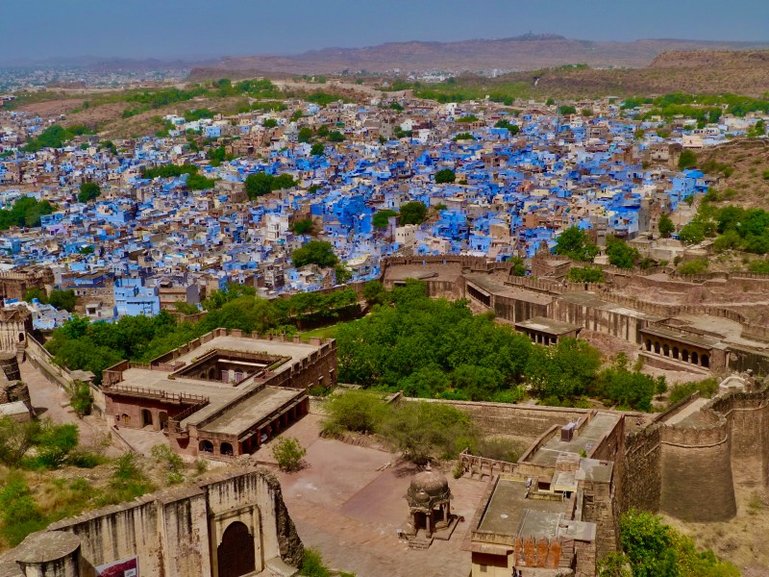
(527, 421)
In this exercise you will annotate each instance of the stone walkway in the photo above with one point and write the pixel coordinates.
(50, 401)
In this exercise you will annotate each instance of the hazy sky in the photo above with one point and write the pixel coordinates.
(191, 28)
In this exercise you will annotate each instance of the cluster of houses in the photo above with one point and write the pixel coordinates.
(520, 178)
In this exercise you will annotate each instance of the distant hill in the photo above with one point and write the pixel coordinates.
(699, 71)
(527, 52)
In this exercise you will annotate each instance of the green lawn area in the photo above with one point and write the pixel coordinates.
(322, 332)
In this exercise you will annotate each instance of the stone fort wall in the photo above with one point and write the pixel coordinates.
(178, 533)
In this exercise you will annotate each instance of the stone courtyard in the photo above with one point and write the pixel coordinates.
(349, 503)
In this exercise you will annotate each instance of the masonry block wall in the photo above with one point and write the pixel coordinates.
(640, 472)
(513, 420)
(696, 465)
(177, 533)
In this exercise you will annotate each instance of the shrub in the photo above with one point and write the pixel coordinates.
(288, 452)
(312, 565)
(80, 398)
(424, 431)
(694, 266)
(20, 513)
(54, 443)
(445, 176)
(170, 461)
(355, 411)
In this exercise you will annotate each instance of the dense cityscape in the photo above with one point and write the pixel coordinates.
(424, 307)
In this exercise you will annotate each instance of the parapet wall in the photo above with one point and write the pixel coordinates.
(525, 421)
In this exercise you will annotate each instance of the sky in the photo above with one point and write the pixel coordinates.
(42, 29)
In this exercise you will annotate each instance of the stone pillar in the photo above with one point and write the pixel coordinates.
(49, 554)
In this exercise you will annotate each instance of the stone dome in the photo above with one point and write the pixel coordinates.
(432, 483)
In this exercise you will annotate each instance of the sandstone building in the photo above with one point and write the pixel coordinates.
(224, 394)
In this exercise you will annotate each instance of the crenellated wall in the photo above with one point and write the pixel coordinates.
(696, 462)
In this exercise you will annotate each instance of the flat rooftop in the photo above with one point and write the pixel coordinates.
(584, 440)
(498, 287)
(251, 411)
(510, 513)
(296, 351)
(593, 300)
(546, 325)
(222, 395)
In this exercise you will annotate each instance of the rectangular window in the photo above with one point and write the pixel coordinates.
(484, 568)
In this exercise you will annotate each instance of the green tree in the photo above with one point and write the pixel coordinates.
(270, 123)
(566, 110)
(621, 254)
(425, 432)
(585, 274)
(302, 226)
(80, 398)
(445, 176)
(518, 266)
(288, 453)
(692, 232)
(374, 292)
(512, 128)
(88, 191)
(355, 411)
(16, 438)
(688, 159)
(55, 443)
(666, 226)
(576, 244)
(648, 545)
(382, 218)
(317, 149)
(305, 134)
(413, 212)
(564, 371)
(63, 299)
(317, 252)
(258, 185)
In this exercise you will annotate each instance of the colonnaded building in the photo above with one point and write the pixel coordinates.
(223, 394)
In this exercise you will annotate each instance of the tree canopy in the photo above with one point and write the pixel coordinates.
(317, 252)
(666, 226)
(413, 212)
(576, 244)
(261, 183)
(88, 191)
(26, 211)
(382, 218)
(445, 176)
(620, 253)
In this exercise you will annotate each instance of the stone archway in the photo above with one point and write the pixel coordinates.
(226, 449)
(146, 418)
(235, 555)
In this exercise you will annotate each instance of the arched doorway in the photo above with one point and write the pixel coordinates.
(235, 555)
(225, 449)
(146, 418)
(206, 446)
(163, 418)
